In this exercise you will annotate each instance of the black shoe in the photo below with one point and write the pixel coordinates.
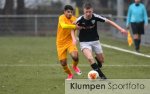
(137, 50)
(104, 77)
(98, 63)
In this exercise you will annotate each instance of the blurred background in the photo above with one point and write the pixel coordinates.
(39, 17)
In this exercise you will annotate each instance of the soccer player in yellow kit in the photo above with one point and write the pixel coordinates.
(66, 41)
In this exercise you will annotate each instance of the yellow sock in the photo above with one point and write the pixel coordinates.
(67, 70)
(74, 63)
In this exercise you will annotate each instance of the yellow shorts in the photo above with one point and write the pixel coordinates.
(62, 50)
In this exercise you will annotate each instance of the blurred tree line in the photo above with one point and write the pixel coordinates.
(23, 7)
(9, 7)
(56, 6)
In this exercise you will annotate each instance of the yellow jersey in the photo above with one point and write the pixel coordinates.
(64, 28)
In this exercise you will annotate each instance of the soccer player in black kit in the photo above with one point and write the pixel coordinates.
(89, 38)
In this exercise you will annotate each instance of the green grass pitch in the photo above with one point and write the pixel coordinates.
(29, 65)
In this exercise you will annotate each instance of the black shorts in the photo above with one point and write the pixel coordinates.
(137, 28)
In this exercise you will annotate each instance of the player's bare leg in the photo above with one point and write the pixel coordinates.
(75, 62)
(88, 54)
(66, 69)
(100, 59)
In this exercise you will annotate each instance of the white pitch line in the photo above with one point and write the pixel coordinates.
(124, 50)
(53, 65)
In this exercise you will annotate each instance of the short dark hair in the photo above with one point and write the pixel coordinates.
(87, 5)
(68, 7)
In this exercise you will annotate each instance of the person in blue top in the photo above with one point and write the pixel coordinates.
(137, 17)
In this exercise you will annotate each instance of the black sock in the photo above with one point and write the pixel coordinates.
(98, 62)
(139, 42)
(136, 44)
(96, 68)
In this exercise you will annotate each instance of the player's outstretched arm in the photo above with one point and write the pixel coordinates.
(64, 25)
(116, 26)
(70, 26)
(67, 26)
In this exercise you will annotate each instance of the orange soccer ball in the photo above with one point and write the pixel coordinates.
(92, 75)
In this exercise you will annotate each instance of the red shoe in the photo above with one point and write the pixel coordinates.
(70, 76)
(77, 70)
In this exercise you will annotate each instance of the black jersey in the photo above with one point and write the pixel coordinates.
(89, 30)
